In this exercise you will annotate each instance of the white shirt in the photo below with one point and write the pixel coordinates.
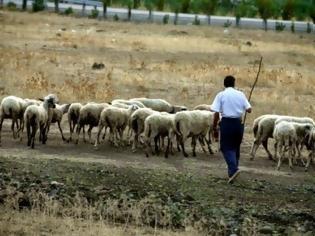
(230, 103)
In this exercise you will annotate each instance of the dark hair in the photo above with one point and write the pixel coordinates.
(229, 81)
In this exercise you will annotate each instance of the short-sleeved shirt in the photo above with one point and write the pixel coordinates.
(231, 103)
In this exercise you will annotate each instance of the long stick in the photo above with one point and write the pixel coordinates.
(251, 91)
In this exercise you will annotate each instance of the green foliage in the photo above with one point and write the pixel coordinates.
(196, 20)
(280, 26)
(312, 12)
(208, 6)
(38, 5)
(288, 9)
(227, 24)
(160, 5)
(116, 17)
(11, 6)
(302, 9)
(185, 6)
(68, 11)
(94, 13)
(150, 4)
(166, 19)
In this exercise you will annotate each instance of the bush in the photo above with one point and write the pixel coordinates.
(293, 27)
(166, 18)
(94, 14)
(280, 26)
(68, 11)
(227, 24)
(116, 18)
(196, 21)
(11, 6)
(38, 5)
(309, 28)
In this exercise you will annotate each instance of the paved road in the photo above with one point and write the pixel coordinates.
(142, 15)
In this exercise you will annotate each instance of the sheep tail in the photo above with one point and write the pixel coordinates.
(32, 120)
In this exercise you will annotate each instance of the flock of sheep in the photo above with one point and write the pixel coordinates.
(151, 121)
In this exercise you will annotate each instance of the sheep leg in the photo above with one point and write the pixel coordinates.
(71, 126)
(254, 148)
(168, 146)
(12, 126)
(193, 144)
(1, 122)
(156, 145)
(135, 141)
(28, 132)
(182, 142)
(34, 130)
(265, 145)
(90, 133)
(100, 128)
(78, 133)
(62, 136)
(280, 147)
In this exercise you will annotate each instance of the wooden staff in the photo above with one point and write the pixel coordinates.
(251, 91)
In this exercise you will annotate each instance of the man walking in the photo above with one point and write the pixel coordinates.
(231, 104)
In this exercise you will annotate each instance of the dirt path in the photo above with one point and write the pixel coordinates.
(261, 168)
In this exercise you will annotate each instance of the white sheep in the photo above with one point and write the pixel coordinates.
(196, 124)
(263, 130)
(37, 116)
(203, 107)
(158, 125)
(311, 147)
(128, 102)
(73, 117)
(89, 115)
(285, 136)
(13, 107)
(137, 124)
(57, 114)
(301, 131)
(117, 120)
(159, 105)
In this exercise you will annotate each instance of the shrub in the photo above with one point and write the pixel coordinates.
(11, 6)
(293, 27)
(196, 21)
(38, 5)
(166, 18)
(309, 28)
(94, 13)
(68, 11)
(227, 24)
(116, 18)
(280, 26)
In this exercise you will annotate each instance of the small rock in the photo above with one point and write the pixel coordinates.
(266, 230)
(98, 66)
(32, 185)
(55, 183)
(58, 34)
(249, 43)
(63, 29)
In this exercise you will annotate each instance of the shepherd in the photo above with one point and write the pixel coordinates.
(231, 104)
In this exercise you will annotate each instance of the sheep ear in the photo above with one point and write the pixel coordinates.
(41, 99)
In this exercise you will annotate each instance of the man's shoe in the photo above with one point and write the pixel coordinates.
(232, 178)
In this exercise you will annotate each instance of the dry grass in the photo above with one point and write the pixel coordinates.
(183, 64)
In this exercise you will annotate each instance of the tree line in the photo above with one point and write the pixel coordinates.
(266, 9)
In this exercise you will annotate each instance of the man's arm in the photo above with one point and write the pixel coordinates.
(216, 119)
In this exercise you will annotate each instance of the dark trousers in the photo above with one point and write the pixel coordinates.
(231, 135)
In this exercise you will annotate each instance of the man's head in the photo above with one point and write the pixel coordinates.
(229, 81)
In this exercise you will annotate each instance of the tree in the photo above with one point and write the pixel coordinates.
(149, 5)
(195, 6)
(129, 4)
(106, 3)
(288, 9)
(208, 7)
(302, 9)
(185, 6)
(265, 9)
(175, 6)
(24, 5)
(312, 12)
(240, 11)
(56, 6)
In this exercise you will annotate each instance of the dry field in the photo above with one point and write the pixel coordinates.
(44, 53)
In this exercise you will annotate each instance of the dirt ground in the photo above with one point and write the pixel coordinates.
(44, 53)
